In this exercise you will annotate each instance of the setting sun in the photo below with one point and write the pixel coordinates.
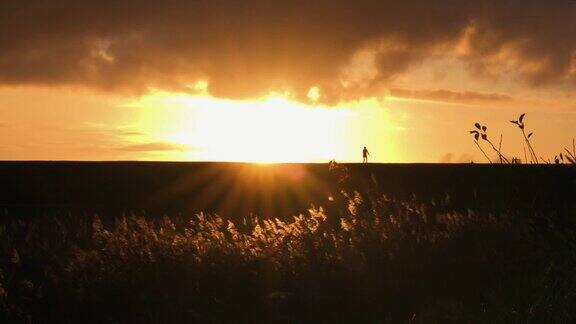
(275, 161)
(271, 129)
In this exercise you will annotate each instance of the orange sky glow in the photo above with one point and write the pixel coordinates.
(284, 81)
(64, 124)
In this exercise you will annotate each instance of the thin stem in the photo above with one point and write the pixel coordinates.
(499, 153)
(534, 156)
(571, 156)
(525, 157)
(500, 148)
(476, 142)
(533, 159)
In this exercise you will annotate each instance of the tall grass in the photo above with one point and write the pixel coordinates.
(365, 258)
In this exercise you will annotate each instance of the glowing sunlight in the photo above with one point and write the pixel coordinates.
(272, 129)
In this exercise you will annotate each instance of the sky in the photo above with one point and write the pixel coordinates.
(285, 80)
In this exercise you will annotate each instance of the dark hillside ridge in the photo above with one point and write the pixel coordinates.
(281, 190)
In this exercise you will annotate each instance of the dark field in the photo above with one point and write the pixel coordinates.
(393, 244)
(283, 190)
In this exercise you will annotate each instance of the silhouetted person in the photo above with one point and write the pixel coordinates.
(365, 154)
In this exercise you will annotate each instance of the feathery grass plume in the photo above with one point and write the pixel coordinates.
(380, 258)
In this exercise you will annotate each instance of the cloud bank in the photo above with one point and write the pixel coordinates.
(450, 96)
(247, 48)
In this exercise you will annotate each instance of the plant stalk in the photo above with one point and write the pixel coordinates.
(502, 157)
(532, 153)
(481, 150)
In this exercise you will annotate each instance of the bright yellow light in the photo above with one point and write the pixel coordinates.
(314, 94)
(272, 130)
(269, 130)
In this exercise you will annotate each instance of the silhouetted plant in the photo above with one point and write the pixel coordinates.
(380, 259)
(481, 131)
(558, 158)
(520, 123)
(570, 157)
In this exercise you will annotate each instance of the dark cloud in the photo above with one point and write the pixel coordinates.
(246, 48)
(154, 147)
(450, 96)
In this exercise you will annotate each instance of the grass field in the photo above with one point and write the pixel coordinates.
(349, 243)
